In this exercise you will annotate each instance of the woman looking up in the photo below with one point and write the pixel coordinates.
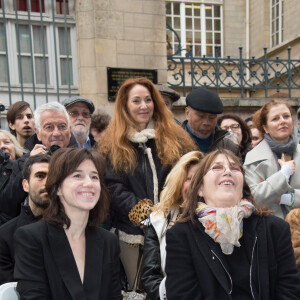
(141, 143)
(67, 256)
(272, 167)
(225, 246)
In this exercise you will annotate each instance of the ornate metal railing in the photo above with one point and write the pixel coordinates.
(227, 74)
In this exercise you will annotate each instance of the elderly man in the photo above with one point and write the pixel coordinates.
(80, 111)
(35, 175)
(203, 107)
(20, 121)
(52, 127)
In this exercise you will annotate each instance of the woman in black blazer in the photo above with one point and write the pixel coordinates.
(66, 256)
(226, 247)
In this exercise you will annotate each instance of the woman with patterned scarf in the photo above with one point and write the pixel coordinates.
(272, 167)
(225, 246)
(141, 144)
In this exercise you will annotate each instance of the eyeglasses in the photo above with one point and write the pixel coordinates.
(76, 114)
(50, 128)
(233, 127)
(219, 169)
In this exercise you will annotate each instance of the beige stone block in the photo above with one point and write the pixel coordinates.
(154, 35)
(88, 80)
(125, 47)
(144, 48)
(159, 21)
(154, 7)
(131, 61)
(133, 6)
(84, 5)
(156, 62)
(103, 5)
(160, 48)
(143, 20)
(85, 25)
(133, 34)
(128, 19)
(109, 24)
(86, 55)
(106, 51)
(162, 76)
(102, 80)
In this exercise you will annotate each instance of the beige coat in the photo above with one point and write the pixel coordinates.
(267, 184)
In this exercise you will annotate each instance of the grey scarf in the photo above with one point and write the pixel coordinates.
(288, 148)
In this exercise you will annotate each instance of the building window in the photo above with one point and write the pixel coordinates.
(199, 27)
(60, 7)
(276, 22)
(34, 5)
(3, 57)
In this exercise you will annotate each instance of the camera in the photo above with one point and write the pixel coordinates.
(3, 107)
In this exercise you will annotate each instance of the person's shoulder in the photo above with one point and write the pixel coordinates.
(8, 228)
(275, 223)
(261, 152)
(181, 227)
(38, 228)
(105, 234)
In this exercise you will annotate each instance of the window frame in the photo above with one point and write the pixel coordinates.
(273, 30)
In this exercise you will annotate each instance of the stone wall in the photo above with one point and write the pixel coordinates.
(118, 33)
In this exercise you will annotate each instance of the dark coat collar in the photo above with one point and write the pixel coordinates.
(66, 264)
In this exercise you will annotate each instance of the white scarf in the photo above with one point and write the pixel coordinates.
(225, 225)
(142, 137)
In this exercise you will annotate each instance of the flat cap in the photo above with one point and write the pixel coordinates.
(165, 90)
(204, 100)
(75, 99)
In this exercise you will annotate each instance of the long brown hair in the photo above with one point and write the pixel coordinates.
(63, 163)
(197, 181)
(171, 140)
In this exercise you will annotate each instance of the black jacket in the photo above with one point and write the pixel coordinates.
(128, 189)
(196, 267)
(13, 194)
(7, 249)
(220, 140)
(45, 267)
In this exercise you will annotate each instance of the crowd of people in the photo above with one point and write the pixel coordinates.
(140, 206)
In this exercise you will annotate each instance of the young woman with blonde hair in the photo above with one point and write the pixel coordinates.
(141, 143)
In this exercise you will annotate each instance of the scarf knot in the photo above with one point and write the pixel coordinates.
(225, 225)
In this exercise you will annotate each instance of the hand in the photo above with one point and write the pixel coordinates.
(290, 164)
(38, 149)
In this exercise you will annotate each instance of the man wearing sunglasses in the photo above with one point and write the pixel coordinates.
(80, 110)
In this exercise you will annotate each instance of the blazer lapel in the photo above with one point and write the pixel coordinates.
(65, 262)
(213, 256)
(93, 263)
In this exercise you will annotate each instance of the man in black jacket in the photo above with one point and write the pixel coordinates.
(35, 175)
(203, 107)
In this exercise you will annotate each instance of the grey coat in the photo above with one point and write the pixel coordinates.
(266, 182)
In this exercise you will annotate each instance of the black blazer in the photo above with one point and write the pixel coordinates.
(196, 267)
(45, 267)
(7, 251)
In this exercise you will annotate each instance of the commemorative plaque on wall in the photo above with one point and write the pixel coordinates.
(116, 76)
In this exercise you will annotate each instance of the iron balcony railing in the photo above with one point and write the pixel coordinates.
(227, 74)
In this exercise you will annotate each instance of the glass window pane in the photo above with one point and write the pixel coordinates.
(209, 24)
(26, 69)
(209, 50)
(35, 6)
(169, 21)
(208, 37)
(21, 5)
(208, 10)
(38, 40)
(40, 70)
(64, 71)
(197, 35)
(61, 5)
(176, 7)
(197, 51)
(24, 38)
(3, 68)
(63, 41)
(197, 24)
(189, 36)
(218, 51)
(217, 38)
(188, 10)
(168, 8)
(2, 38)
(217, 11)
(176, 23)
(188, 23)
(217, 25)
(196, 10)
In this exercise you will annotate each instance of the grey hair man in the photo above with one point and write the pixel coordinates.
(80, 110)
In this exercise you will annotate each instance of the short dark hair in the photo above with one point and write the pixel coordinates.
(63, 163)
(14, 110)
(100, 121)
(31, 160)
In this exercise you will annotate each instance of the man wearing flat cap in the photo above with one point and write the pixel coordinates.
(80, 110)
(203, 107)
